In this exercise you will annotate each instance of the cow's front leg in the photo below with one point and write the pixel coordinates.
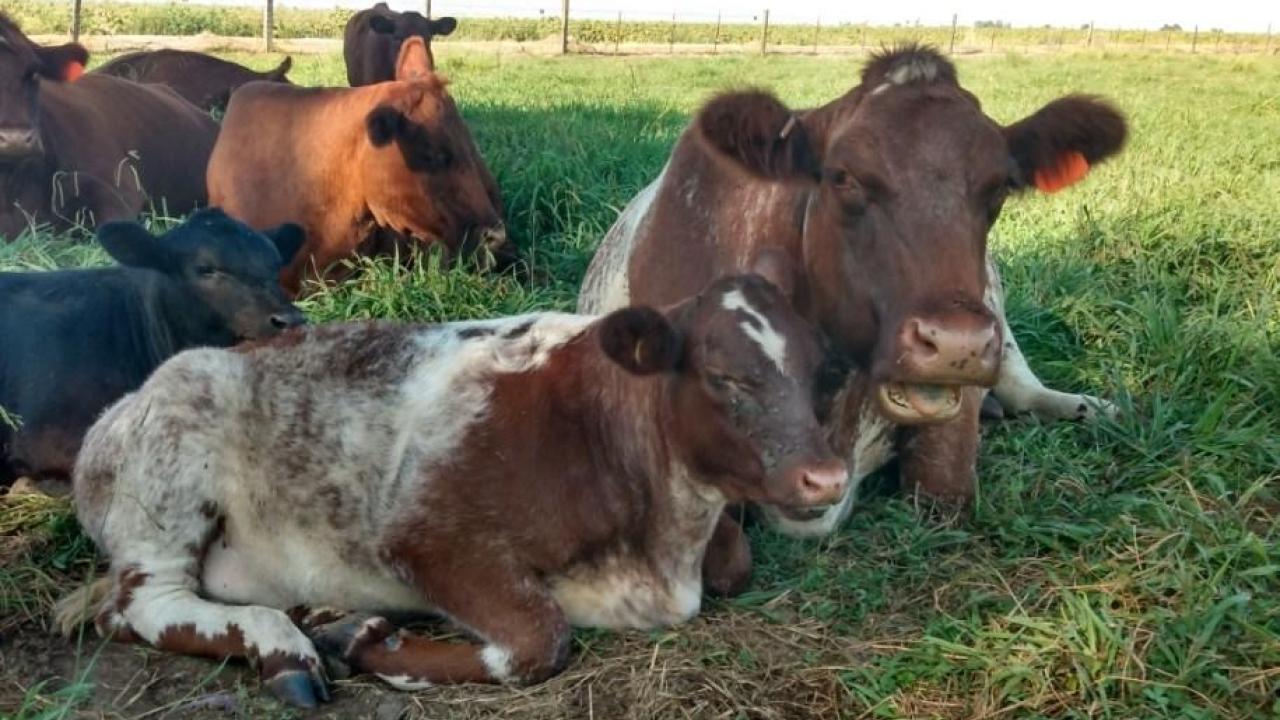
(524, 637)
(1017, 389)
(940, 461)
(726, 566)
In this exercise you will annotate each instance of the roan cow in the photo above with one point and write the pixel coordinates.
(86, 150)
(372, 39)
(882, 199)
(353, 165)
(517, 476)
(203, 80)
(75, 341)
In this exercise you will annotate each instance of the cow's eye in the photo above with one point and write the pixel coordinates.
(852, 194)
(995, 197)
(207, 271)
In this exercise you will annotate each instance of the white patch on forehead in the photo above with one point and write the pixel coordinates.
(772, 344)
(916, 69)
(404, 682)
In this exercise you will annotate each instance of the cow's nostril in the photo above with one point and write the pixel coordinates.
(923, 338)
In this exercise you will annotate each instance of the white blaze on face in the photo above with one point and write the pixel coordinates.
(772, 344)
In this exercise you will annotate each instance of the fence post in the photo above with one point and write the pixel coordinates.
(428, 8)
(715, 42)
(994, 30)
(564, 27)
(76, 22)
(951, 50)
(671, 43)
(1195, 35)
(1265, 49)
(817, 28)
(764, 34)
(1168, 39)
(617, 35)
(269, 24)
(1088, 40)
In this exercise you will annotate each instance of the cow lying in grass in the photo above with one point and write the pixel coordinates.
(203, 80)
(362, 169)
(77, 340)
(517, 476)
(92, 149)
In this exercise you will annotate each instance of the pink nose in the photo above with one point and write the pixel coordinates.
(963, 352)
(821, 484)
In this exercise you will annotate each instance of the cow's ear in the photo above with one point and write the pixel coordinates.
(64, 63)
(383, 124)
(1057, 145)
(640, 340)
(761, 134)
(413, 62)
(443, 26)
(382, 24)
(288, 239)
(131, 245)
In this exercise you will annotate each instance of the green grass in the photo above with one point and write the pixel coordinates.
(1128, 569)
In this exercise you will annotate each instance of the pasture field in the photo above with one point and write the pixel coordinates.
(1126, 569)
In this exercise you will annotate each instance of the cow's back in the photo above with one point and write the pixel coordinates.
(290, 169)
(202, 80)
(698, 220)
(145, 140)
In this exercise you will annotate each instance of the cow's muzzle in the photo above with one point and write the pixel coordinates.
(936, 357)
(19, 143)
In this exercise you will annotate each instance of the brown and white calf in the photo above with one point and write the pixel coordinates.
(882, 199)
(367, 170)
(517, 476)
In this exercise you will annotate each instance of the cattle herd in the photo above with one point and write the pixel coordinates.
(801, 296)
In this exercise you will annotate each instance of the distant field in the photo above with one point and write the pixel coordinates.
(1125, 570)
(108, 17)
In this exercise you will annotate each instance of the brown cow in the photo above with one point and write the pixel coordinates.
(93, 150)
(352, 164)
(517, 476)
(372, 39)
(882, 199)
(204, 80)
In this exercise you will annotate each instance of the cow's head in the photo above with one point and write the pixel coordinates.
(425, 174)
(225, 273)
(738, 398)
(400, 26)
(23, 64)
(905, 176)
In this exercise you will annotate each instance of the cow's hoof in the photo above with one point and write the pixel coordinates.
(340, 641)
(992, 409)
(299, 688)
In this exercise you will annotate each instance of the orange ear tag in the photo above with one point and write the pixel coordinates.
(72, 71)
(1071, 169)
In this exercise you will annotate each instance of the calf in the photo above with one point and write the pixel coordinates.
(77, 340)
(882, 199)
(372, 39)
(356, 167)
(517, 476)
(93, 149)
(203, 80)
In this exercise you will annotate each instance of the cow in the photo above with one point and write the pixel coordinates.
(354, 165)
(518, 476)
(75, 341)
(84, 150)
(882, 200)
(372, 39)
(203, 80)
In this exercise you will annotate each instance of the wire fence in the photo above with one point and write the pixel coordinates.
(597, 29)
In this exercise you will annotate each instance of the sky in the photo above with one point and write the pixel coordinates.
(1230, 15)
